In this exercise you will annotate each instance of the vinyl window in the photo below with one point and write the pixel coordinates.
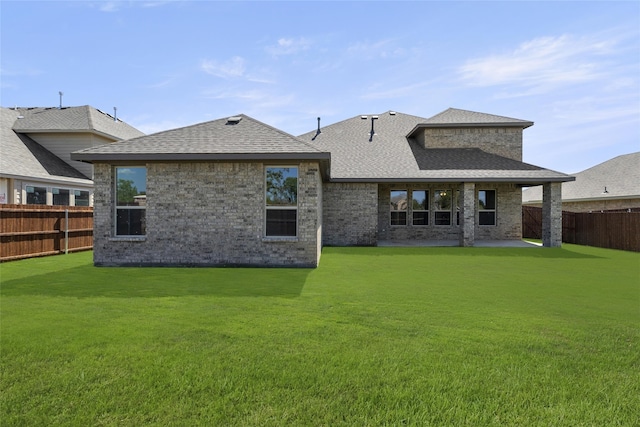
(487, 207)
(442, 201)
(398, 207)
(281, 201)
(420, 207)
(131, 201)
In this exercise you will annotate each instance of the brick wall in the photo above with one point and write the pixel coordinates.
(502, 141)
(508, 214)
(350, 214)
(208, 214)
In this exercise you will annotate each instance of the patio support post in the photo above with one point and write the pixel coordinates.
(467, 213)
(552, 214)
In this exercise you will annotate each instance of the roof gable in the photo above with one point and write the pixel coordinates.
(73, 119)
(457, 117)
(236, 137)
(23, 157)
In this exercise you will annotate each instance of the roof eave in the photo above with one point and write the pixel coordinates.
(520, 181)
(522, 125)
(165, 157)
(91, 131)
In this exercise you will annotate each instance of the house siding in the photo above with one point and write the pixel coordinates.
(508, 214)
(350, 214)
(63, 144)
(209, 213)
(501, 141)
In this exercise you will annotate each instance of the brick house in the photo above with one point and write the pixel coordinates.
(238, 192)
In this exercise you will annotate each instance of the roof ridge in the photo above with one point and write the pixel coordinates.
(282, 132)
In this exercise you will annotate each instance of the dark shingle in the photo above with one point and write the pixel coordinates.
(220, 138)
(391, 156)
(20, 156)
(73, 119)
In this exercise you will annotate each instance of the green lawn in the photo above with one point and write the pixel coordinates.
(374, 336)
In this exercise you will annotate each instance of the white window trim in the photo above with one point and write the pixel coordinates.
(406, 211)
(265, 237)
(124, 237)
(436, 211)
(495, 210)
(428, 195)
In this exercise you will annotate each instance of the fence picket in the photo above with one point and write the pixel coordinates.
(608, 229)
(34, 230)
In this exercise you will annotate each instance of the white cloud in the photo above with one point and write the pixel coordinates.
(289, 46)
(381, 49)
(232, 68)
(540, 64)
(109, 6)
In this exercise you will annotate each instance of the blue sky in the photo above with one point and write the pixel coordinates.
(573, 68)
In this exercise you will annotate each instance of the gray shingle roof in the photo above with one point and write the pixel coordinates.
(391, 156)
(22, 157)
(621, 176)
(73, 119)
(217, 139)
(460, 117)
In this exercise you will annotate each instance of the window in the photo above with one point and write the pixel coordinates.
(36, 195)
(131, 190)
(398, 207)
(420, 205)
(82, 198)
(458, 202)
(487, 207)
(60, 197)
(281, 201)
(442, 201)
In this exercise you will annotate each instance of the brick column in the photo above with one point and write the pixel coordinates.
(552, 214)
(467, 213)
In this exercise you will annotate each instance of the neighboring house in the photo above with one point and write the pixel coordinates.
(611, 185)
(238, 192)
(35, 153)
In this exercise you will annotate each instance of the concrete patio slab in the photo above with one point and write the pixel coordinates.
(449, 243)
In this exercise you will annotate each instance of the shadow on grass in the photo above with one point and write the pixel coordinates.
(118, 282)
(534, 252)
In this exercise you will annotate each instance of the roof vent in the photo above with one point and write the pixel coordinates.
(234, 120)
(373, 132)
(318, 132)
(364, 117)
(392, 113)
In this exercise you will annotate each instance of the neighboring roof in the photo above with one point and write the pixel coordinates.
(620, 176)
(235, 138)
(392, 157)
(73, 119)
(453, 117)
(22, 157)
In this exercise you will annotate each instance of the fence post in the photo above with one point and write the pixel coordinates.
(66, 231)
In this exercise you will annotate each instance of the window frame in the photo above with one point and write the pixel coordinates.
(56, 191)
(393, 211)
(34, 187)
(76, 195)
(482, 209)
(292, 208)
(117, 207)
(437, 195)
(424, 211)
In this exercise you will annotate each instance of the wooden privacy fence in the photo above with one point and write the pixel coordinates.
(36, 230)
(609, 229)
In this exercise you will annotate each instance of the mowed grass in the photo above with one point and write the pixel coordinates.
(374, 336)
